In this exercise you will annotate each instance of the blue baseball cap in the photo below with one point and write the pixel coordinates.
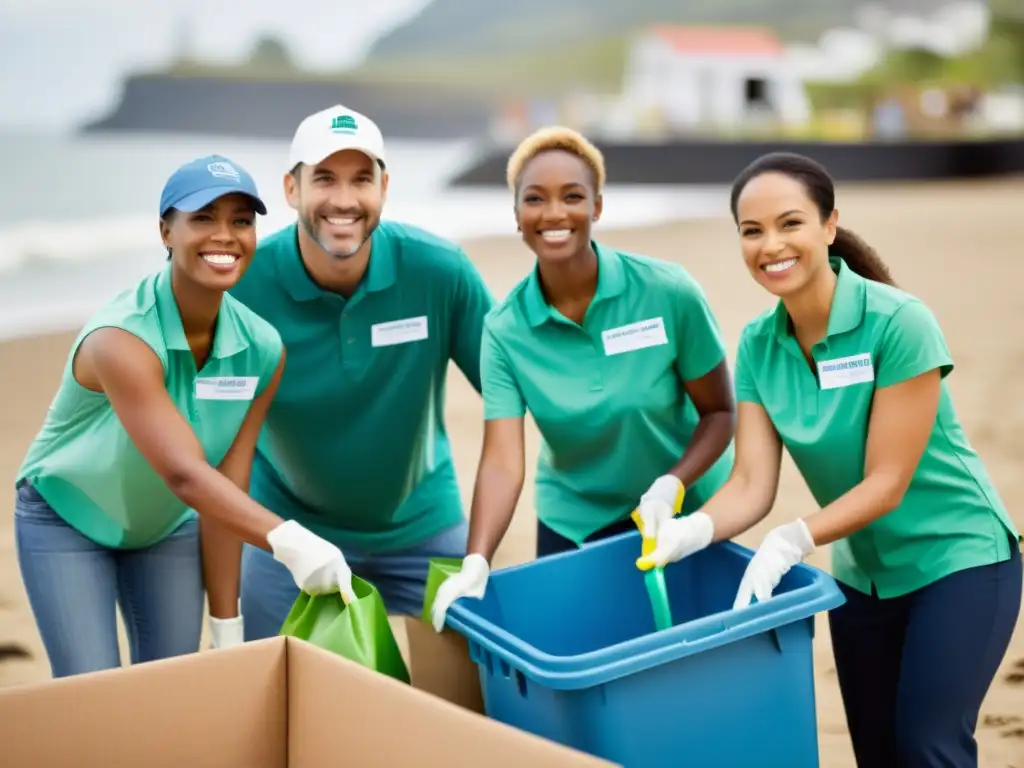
(198, 183)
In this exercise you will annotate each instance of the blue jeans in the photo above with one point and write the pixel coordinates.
(268, 590)
(914, 670)
(74, 584)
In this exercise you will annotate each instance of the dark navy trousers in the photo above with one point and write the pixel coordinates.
(914, 670)
(551, 543)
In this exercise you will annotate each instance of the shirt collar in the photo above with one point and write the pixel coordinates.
(848, 303)
(227, 340)
(611, 281)
(381, 272)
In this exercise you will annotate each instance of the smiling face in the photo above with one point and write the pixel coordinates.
(556, 204)
(214, 245)
(339, 201)
(783, 237)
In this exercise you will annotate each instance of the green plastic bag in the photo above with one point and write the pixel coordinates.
(440, 569)
(359, 631)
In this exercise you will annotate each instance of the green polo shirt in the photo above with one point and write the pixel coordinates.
(608, 396)
(355, 446)
(951, 517)
(84, 463)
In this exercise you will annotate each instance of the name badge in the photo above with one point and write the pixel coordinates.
(629, 338)
(846, 371)
(399, 331)
(226, 387)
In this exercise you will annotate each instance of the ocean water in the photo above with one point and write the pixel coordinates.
(78, 215)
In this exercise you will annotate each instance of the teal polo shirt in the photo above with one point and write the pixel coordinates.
(84, 463)
(951, 517)
(354, 446)
(607, 396)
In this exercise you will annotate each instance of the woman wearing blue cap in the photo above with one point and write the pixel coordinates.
(156, 418)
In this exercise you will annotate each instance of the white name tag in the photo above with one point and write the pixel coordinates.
(629, 338)
(846, 371)
(399, 331)
(226, 387)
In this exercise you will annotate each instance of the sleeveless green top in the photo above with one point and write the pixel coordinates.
(84, 463)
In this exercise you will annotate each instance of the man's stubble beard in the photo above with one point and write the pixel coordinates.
(340, 255)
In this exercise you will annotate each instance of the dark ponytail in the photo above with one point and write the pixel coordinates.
(858, 255)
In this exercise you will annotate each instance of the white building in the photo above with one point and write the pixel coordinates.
(703, 77)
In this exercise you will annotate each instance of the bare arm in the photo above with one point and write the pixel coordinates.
(128, 371)
(221, 549)
(902, 418)
(499, 481)
(747, 496)
(712, 396)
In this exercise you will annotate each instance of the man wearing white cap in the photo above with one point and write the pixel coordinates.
(354, 445)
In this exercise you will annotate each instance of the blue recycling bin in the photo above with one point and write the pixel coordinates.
(567, 649)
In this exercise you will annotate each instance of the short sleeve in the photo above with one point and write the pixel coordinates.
(502, 396)
(743, 376)
(701, 348)
(912, 344)
(473, 300)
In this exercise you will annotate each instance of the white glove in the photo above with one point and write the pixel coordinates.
(781, 549)
(679, 537)
(471, 581)
(225, 633)
(660, 503)
(317, 566)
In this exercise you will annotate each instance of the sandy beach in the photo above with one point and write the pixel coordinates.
(952, 245)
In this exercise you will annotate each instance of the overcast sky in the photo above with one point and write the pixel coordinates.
(61, 60)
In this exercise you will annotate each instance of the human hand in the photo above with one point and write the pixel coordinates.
(782, 548)
(225, 633)
(471, 581)
(661, 502)
(679, 537)
(317, 566)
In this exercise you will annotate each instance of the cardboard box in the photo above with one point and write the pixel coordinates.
(271, 704)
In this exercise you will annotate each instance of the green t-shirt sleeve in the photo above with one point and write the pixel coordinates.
(743, 376)
(701, 347)
(473, 300)
(502, 397)
(912, 344)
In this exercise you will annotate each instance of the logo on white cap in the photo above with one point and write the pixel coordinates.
(344, 124)
(335, 129)
(223, 171)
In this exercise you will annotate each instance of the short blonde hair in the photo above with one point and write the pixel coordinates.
(551, 138)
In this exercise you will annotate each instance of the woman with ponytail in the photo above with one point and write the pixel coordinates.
(848, 372)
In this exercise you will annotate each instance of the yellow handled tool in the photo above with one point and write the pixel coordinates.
(649, 543)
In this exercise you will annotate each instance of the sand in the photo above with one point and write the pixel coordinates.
(952, 245)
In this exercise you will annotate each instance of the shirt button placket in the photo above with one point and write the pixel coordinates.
(343, 331)
(597, 374)
(818, 352)
(193, 406)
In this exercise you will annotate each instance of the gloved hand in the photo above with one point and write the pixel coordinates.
(782, 548)
(661, 502)
(679, 537)
(225, 633)
(317, 566)
(471, 581)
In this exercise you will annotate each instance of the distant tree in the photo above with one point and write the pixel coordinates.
(270, 54)
(1006, 35)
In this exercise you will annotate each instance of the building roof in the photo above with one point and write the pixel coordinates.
(736, 41)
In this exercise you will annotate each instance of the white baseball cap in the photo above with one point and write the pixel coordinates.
(332, 130)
